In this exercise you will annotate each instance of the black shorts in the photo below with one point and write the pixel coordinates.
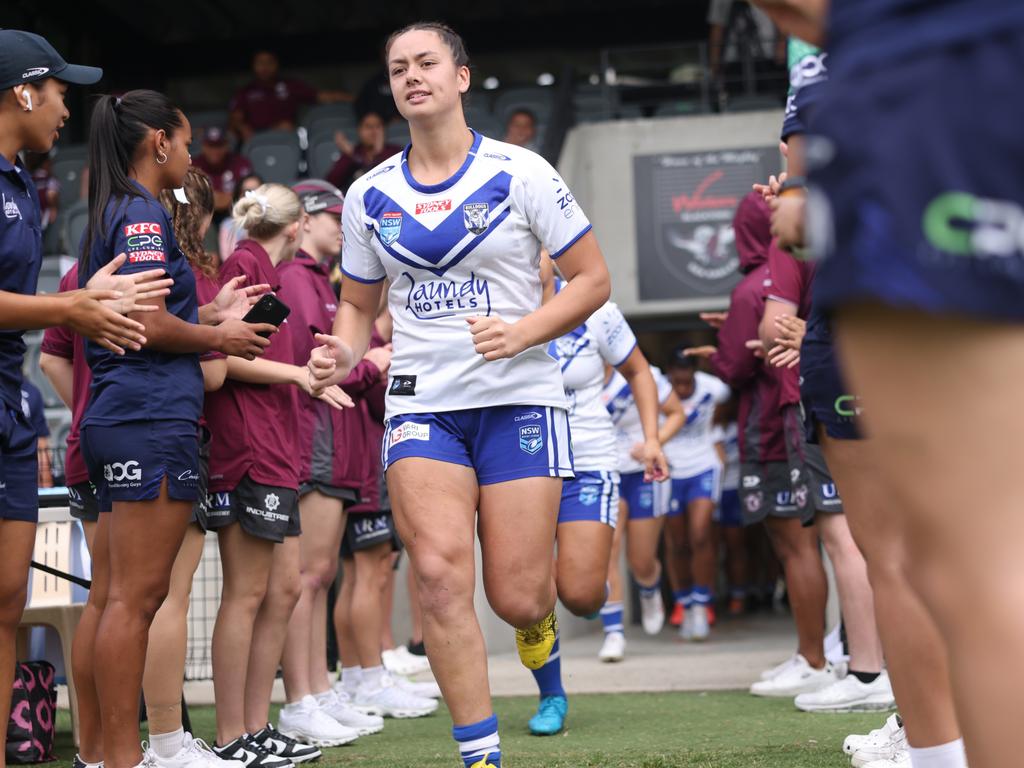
(264, 511)
(82, 502)
(765, 491)
(814, 491)
(201, 507)
(364, 530)
(347, 495)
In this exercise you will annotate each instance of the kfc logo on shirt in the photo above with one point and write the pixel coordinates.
(142, 228)
(434, 206)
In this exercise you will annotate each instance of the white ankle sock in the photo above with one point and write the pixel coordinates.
(950, 755)
(167, 745)
(91, 765)
(372, 675)
(351, 677)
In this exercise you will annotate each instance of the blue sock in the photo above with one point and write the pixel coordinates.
(479, 742)
(549, 677)
(701, 595)
(611, 617)
(651, 589)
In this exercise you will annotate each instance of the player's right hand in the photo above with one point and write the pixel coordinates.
(133, 289)
(87, 315)
(240, 339)
(329, 363)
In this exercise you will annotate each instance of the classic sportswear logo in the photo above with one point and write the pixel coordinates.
(531, 416)
(34, 72)
(188, 475)
(118, 472)
(966, 225)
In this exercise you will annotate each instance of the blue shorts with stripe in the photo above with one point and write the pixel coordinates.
(506, 442)
(706, 485)
(644, 499)
(590, 497)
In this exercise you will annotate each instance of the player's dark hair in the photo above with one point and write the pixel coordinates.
(118, 126)
(680, 361)
(448, 36)
(188, 219)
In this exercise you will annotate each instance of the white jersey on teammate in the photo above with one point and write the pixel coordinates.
(469, 246)
(730, 438)
(691, 451)
(618, 400)
(605, 338)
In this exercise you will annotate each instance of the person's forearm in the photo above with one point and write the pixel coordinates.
(670, 426)
(773, 309)
(645, 393)
(571, 306)
(214, 373)
(28, 313)
(260, 371)
(354, 325)
(61, 374)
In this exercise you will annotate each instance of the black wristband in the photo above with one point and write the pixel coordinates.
(792, 183)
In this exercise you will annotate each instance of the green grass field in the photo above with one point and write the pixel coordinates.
(636, 730)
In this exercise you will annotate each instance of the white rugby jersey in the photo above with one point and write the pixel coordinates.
(605, 338)
(729, 437)
(618, 400)
(691, 451)
(469, 246)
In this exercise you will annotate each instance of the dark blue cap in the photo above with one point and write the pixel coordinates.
(26, 57)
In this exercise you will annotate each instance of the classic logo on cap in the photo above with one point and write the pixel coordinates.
(34, 72)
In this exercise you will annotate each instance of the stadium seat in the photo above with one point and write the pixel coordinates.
(68, 164)
(274, 155)
(329, 117)
(538, 100)
(483, 120)
(76, 219)
(398, 132)
(322, 155)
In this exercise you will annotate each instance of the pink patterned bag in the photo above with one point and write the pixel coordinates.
(32, 728)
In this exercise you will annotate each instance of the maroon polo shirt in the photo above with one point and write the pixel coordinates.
(265, 105)
(225, 177)
(790, 282)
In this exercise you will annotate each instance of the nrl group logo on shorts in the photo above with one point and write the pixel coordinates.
(531, 439)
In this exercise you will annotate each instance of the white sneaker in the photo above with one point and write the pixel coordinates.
(195, 753)
(652, 613)
(686, 628)
(425, 690)
(882, 735)
(613, 648)
(799, 678)
(402, 662)
(849, 695)
(779, 668)
(304, 721)
(880, 751)
(700, 627)
(342, 711)
(392, 701)
(899, 760)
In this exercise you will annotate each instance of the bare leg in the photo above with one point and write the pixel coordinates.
(584, 548)
(797, 549)
(17, 538)
(642, 548)
(367, 613)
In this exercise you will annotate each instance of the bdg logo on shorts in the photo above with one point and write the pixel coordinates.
(117, 473)
(410, 430)
(531, 439)
(589, 494)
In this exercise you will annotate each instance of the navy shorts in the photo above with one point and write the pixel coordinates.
(814, 490)
(728, 514)
(507, 442)
(644, 499)
(82, 502)
(128, 462)
(365, 530)
(590, 497)
(918, 200)
(706, 485)
(19, 467)
(766, 491)
(267, 512)
(826, 400)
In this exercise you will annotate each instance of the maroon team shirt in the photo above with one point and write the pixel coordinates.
(225, 177)
(790, 282)
(371, 414)
(266, 105)
(61, 342)
(255, 425)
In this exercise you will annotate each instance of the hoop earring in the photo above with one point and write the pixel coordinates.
(161, 162)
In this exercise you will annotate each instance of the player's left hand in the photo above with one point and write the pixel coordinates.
(133, 288)
(494, 338)
(654, 461)
(234, 301)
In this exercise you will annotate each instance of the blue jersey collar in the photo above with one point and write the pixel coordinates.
(433, 189)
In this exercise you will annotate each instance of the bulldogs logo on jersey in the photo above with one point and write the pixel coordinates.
(475, 217)
(390, 227)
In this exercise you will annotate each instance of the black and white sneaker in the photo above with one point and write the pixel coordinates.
(250, 754)
(290, 749)
(78, 762)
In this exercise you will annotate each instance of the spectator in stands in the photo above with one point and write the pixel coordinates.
(371, 150)
(271, 102)
(730, 23)
(375, 96)
(224, 167)
(32, 406)
(521, 129)
(230, 231)
(40, 166)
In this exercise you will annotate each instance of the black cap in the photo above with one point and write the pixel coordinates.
(26, 57)
(319, 196)
(215, 135)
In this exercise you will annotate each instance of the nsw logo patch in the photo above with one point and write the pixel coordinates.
(531, 439)
(390, 227)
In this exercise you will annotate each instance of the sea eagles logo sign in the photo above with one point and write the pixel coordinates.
(685, 203)
(474, 216)
(390, 227)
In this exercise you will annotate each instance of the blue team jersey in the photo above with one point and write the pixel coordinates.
(808, 73)
(880, 32)
(147, 385)
(21, 254)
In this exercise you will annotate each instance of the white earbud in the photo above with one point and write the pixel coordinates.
(28, 101)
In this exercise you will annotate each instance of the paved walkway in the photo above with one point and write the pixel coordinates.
(733, 658)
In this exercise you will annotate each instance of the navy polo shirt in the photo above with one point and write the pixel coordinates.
(147, 385)
(21, 254)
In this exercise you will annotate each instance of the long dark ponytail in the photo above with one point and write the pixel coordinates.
(117, 128)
